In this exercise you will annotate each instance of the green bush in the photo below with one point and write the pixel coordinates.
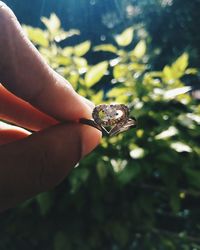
(137, 190)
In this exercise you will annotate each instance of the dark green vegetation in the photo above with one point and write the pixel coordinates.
(139, 190)
(172, 25)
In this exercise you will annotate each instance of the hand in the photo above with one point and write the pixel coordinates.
(38, 98)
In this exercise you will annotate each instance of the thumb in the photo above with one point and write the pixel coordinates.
(40, 161)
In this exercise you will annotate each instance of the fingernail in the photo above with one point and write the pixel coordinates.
(90, 139)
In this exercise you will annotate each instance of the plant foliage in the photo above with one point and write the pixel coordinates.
(138, 190)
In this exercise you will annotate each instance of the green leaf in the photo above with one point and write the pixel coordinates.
(171, 131)
(178, 68)
(73, 78)
(181, 147)
(125, 38)
(106, 48)
(120, 71)
(118, 165)
(168, 244)
(95, 73)
(117, 92)
(62, 60)
(82, 49)
(139, 50)
(172, 93)
(187, 120)
(98, 97)
(78, 177)
(37, 36)
(194, 117)
(181, 63)
(168, 73)
(191, 71)
(80, 62)
(67, 51)
(137, 153)
(137, 67)
(129, 173)
(101, 170)
(61, 35)
(52, 23)
(44, 201)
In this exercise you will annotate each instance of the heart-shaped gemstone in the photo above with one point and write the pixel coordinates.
(110, 115)
(111, 119)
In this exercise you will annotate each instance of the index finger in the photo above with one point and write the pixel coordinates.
(25, 73)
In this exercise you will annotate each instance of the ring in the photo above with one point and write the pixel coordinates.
(110, 119)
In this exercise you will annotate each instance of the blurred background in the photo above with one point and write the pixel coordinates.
(140, 189)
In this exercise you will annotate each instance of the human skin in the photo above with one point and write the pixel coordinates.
(35, 98)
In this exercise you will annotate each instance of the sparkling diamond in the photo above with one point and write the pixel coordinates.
(110, 112)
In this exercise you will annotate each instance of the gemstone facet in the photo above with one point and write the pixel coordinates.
(111, 119)
(108, 115)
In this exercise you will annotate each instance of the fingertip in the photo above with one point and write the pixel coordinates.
(90, 139)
